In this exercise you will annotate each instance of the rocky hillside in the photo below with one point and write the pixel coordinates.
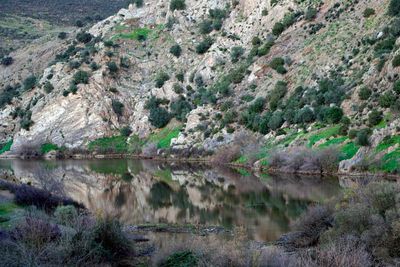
(239, 79)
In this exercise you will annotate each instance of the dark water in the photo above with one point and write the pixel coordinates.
(138, 192)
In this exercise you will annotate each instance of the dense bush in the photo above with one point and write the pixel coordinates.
(374, 117)
(62, 35)
(332, 115)
(7, 61)
(277, 94)
(278, 28)
(362, 137)
(161, 78)
(180, 108)
(387, 99)
(177, 5)
(159, 117)
(204, 45)
(206, 26)
(48, 87)
(236, 53)
(368, 12)
(74, 64)
(84, 37)
(364, 93)
(81, 77)
(276, 120)
(112, 67)
(125, 131)
(396, 61)
(311, 13)
(7, 94)
(30, 82)
(394, 8)
(176, 50)
(304, 115)
(117, 107)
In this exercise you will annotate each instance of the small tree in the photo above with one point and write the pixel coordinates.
(364, 93)
(236, 53)
(30, 82)
(117, 107)
(206, 26)
(368, 12)
(48, 87)
(177, 5)
(7, 61)
(278, 29)
(112, 67)
(204, 45)
(62, 35)
(362, 138)
(311, 13)
(176, 50)
(159, 117)
(84, 37)
(374, 117)
(125, 131)
(81, 77)
(161, 78)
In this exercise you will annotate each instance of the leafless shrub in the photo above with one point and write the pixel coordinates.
(149, 150)
(226, 154)
(329, 159)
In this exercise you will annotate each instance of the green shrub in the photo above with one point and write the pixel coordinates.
(62, 35)
(277, 94)
(276, 120)
(125, 131)
(332, 115)
(177, 5)
(364, 93)
(362, 138)
(178, 88)
(94, 66)
(387, 99)
(176, 50)
(74, 64)
(281, 69)
(65, 93)
(48, 87)
(180, 108)
(304, 115)
(385, 46)
(159, 117)
(183, 259)
(180, 76)
(29, 83)
(374, 117)
(84, 37)
(394, 8)
(47, 147)
(278, 29)
(256, 41)
(311, 13)
(124, 62)
(81, 77)
(276, 62)
(264, 49)
(66, 215)
(73, 88)
(204, 45)
(396, 61)
(117, 107)
(161, 78)
(206, 26)
(396, 87)
(112, 67)
(368, 12)
(7, 61)
(257, 106)
(236, 53)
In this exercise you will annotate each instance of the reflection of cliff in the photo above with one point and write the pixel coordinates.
(147, 192)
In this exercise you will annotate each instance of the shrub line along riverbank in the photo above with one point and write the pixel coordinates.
(209, 161)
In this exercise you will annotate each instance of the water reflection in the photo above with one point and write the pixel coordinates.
(139, 192)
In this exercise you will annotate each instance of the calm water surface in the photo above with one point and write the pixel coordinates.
(138, 192)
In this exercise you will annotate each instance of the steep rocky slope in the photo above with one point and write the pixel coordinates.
(256, 76)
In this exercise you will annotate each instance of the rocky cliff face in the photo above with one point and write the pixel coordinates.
(207, 63)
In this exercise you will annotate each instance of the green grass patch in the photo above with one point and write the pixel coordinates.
(137, 34)
(7, 208)
(324, 134)
(349, 150)
(6, 146)
(386, 143)
(163, 138)
(334, 141)
(391, 162)
(47, 147)
(116, 144)
(243, 172)
(242, 160)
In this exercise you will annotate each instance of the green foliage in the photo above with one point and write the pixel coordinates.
(276, 120)
(163, 138)
(73, 88)
(394, 8)
(181, 259)
(387, 142)
(81, 77)
(48, 87)
(161, 78)
(125, 131)
(30, 82)
(124, 62)
(84, 37)
(176, 50)
(74, 64)
(4, 147)
(362, 138)
(180, 76)
(7, 61)
(112, 67)
(278, 28)
(364, 93)
(368, 12)
(304, 115)
(387, 99)
(117, 107)
(349, 150)
(375, 117)
(204, 45)
(396, 87)
(385, 46)
(311, 13)
(396, 61)
(159, 117)
(47, 147)
(206, 26)
(180, 108)
(177, 5)
(277, 94)
(332, 115)
(236, 53)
